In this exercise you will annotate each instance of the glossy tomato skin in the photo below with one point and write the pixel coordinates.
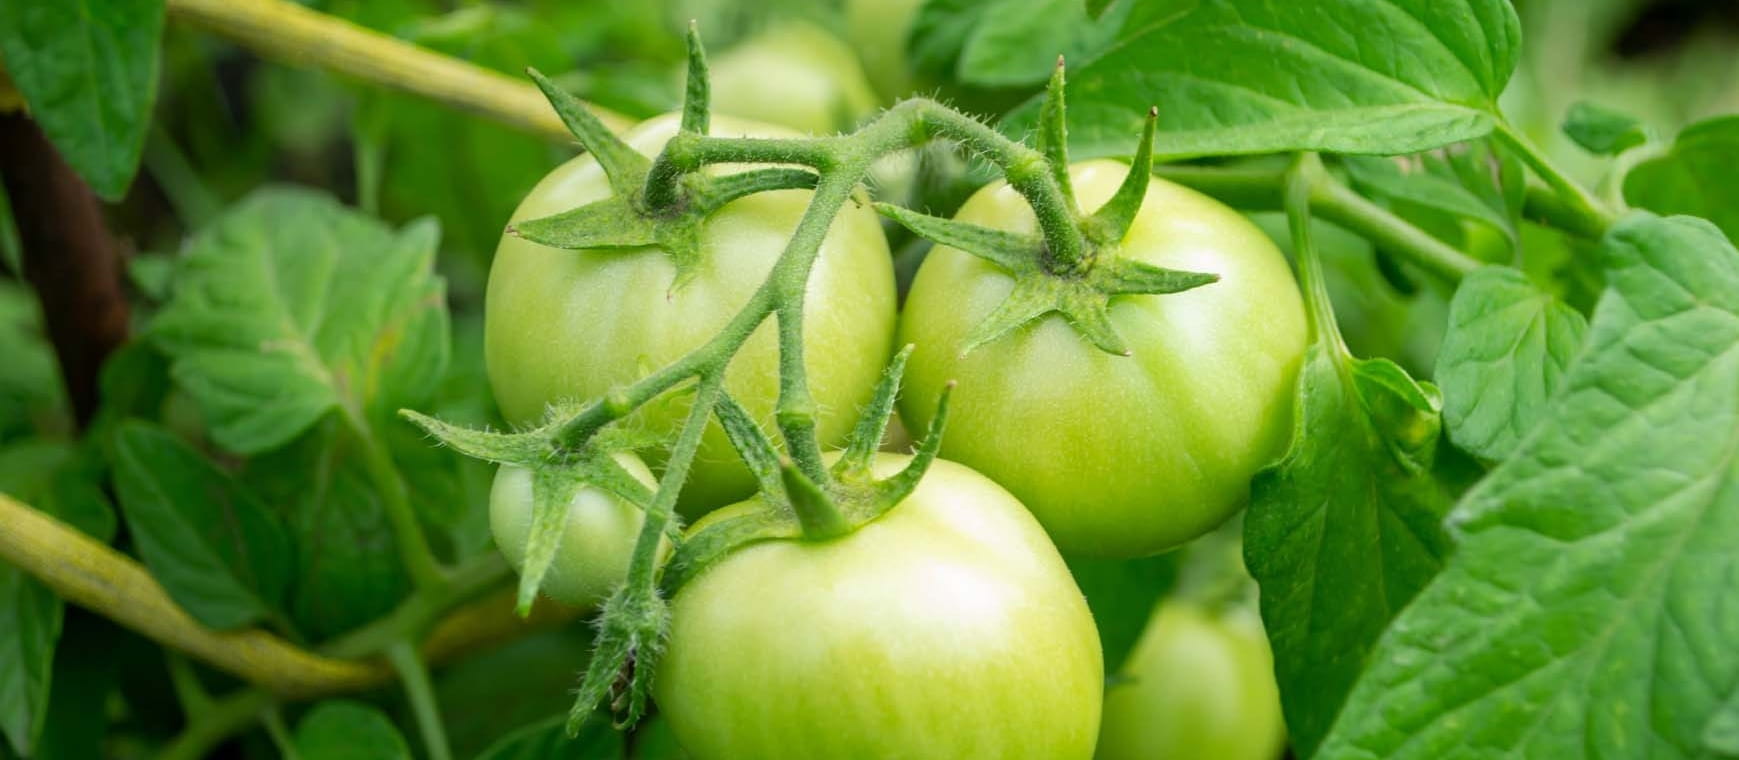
(1118, 456)
(1199, 684)
(794, 74)
(597, 541)
(947, 628)
(573, 325)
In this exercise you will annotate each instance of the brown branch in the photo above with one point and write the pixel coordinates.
(69, 257)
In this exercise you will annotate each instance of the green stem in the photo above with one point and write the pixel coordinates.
(1577, 210)
(273, 718)
(188, 690)
(421, 694)
(796, 406)
(1337, 203)
(643, 566)
(413, 545)
(1301, 180)
(223, 719)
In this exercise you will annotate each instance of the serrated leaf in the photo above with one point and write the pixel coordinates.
(290, 306)
(1344, 529)
(1603, 131)
(216, 549)
(1508, 348)
(1588, 609)
(342, 729)
(348, 569)
(88, 70)
(1253, 76)
(1695, 177)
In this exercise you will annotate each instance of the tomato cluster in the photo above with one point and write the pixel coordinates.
(949, 626)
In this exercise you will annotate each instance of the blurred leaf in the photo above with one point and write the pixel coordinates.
(1696, 177)
(1253, 76)
(88, 69)
(1121, 595)
(1509, 347)
(1345, 528)
(494, 693)
(11, 251)
(1601, 130)
(347, 730)
(548, 740)
(215, 548)
(451, 490)
(290, 306)
(1411, 181)
(1016, 42)
(348, 570)
(654, 740)
(31, 395)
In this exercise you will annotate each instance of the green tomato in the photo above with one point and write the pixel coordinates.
(795, 75)
(1118, 456)
(1197, 685)
(947, 628)
(596, 543)
(879, 30)
(573, 325)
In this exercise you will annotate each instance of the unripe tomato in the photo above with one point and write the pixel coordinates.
(572, 325)
(597, 541)
(879, 30)
(795, 75)
(1117, 455)
(1199, 684)
(947, 628)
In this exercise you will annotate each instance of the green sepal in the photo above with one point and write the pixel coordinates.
(1014, 252)
(610, 223)
(1053, 137)
(872, 424)
(712, 193)
(697, 95)
(817, 511)
(629, 643)
(502, 448)
(895, 488)
(1111, 222)
(716, 541)
(622, 164)
(752, 446)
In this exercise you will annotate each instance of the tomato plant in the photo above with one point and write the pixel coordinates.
(569, 325)
(948, 626)
(1199, 683)
(1429, 306)
(1117, 455)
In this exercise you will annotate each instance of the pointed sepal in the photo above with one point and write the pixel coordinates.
(1053, 135)
(1033, 296)
(1013, 252)
(712, 193)
(718, 539)
(697, 95)
(898, 486)
(1119, 277)
(1111, 222)
(554, 485)
(489, 446)
(609, 223)
(872, 424)
(752, 446)
(624, 166)
(815, 508)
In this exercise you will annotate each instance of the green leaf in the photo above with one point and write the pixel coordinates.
(1601, 130)
(1016, 42)
(1587, 610)
(88, 70)
(1695, 177)
(1345, 529)
(1255, 76)
(215, 548)
(1412, 182)
(348, 570)
(1507, 351)
(347, 730)
(290, 306)
(31, 392)
(547, 739)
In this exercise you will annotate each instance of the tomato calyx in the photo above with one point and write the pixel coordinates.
(632, 217)
(794, 507)
(1079, 288)
(557, 474)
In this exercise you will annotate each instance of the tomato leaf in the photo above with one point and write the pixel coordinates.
(548, 739)
(1587, 609)
(1121, 595)
(1695, 177)
(1601, 130)
(215, 548)
(1507, 351)
(88, 70)
(1414, 183)
(347, 730)
(290, 306)
(348, 570)
(1252, 76)
(1344, 529)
